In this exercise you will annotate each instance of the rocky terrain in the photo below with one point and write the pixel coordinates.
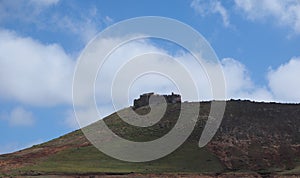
(258, 136)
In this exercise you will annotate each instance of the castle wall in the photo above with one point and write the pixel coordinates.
(144, 99)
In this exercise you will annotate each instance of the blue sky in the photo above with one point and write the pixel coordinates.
(257, 42)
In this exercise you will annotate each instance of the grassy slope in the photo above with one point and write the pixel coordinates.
(188, 158)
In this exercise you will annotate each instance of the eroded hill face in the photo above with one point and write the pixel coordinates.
(259, 136)
(256, 137)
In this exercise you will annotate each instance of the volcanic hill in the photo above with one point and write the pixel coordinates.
(254, 140)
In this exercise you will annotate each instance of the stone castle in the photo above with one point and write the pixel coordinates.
(144, 99)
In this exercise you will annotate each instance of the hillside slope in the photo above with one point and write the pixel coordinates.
(253, 137)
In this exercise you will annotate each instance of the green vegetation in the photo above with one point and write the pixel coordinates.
(188, 158)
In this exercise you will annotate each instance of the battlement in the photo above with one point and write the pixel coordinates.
(144, 99)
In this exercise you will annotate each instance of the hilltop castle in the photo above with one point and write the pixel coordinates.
(144, 99)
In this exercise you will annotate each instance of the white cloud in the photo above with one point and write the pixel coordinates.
(108, 20)
(218, 8)
(19, 117)
(80, 23)
(285, 13)
(44, 2)
(24, 11)
(239, 84)
(284, 81)
(34, 73)
(211, 7)
(236, 76)
(86, 25)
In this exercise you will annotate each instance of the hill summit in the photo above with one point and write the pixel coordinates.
(144, 99)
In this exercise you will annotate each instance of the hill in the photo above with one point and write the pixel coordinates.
(254, 139)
